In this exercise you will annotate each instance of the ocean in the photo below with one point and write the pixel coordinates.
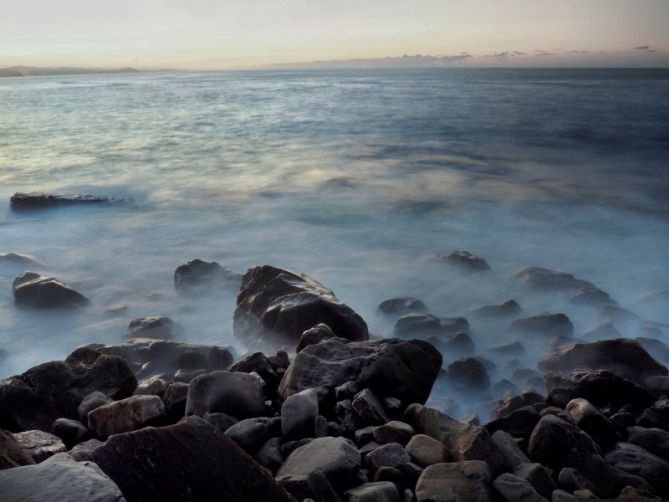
(357, 178)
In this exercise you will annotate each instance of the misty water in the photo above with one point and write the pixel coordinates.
(356, 178)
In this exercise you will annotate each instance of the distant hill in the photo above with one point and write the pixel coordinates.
(406, 61)
(33, 71)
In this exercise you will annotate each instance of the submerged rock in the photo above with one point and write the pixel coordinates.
(402, 306)
(276, 306)
(468, 374)
(32, 290)
(20, 260)
(37, 200)
(428, 324)
(158, 328)
(545, 324)
(389, 367)
(465, 260)
(509, 308)
(199, 276)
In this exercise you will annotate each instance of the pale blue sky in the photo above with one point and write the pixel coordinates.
(234, 33)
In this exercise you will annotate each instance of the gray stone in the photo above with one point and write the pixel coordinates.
(402, 305)
(35, 291)
(538, 476)
(381, 491)
(312, 336)
(654, 440)
(393, 432)
(39, 445)
(249, 433)
(11, 452)
(368, 408)
(125, 415)
(84, 451)
(515, 489)
(199, 276)
(636, 460)
(91, 401)
(155, 327)
(544, 324)
(388, 455)
(426, 451)
(298, 413)
(454, 482)
(234, 393)
(510, 449)
(70, 431)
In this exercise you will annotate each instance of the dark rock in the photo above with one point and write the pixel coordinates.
(518, 423)
(54, 390)
(259, 363)
(617, 315)
(638, 461)
(198, 276)
(321, 488)
(336, 458)
(220, 420)
(425, 450)
(423, 325)
(125, 415)
(157, 328)
(380, 491)
(388, 455)
(463, 441)
(508, 405)
(543, 279)
(505, 388)
(72, 432)
(32, 290)
(83, 452)
(593, 422)
(298, 413)
(391, 367)
(465, 260)
(509, 349)
(659, 349)
(515, 489)
(21, 201)
(290, 446)
(468, 374)
(606, 331)
(11, 452)
(622, 356)
(509, 308)
(538, 476)
(312, 336)
(235, 393)
(91, 401)
(457, 344)
(544, 324)
(402, 306)
(347, 390)
(393, 432)
(58, 478)
(656, 416)
(512, 453)
(269, 455)
(39, 445)
(174, 399)
(191, 360)
(654, 440)
(276, 306)
(250, 434)
(591, 296)
(456, 481)
(364, 435)
(368, 408)
(571, 480)
(191, 460)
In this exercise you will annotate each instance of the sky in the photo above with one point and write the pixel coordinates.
(222, 34)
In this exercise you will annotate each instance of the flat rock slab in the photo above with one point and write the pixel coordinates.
(59, 478)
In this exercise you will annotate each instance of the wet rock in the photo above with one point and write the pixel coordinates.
(368, 408)
(250, 434)
(125, 415)
(402, 369)
(72, 432)
(260, 364)
(34, 399)
(381, 491)
(636, 460)
(39, 445)
(468, 374)
(276, 306)
(654, 440)
(402, 306)
(514, 489)
(465, 261)
(315, 335)
(388, 455)
(463, 441)
(505, 310)
(425, 450)
(235, 393)
(199, 276)
(544, 324)
(298, 413)
(453, 482)
(422, 325)
(518, 423)
(336, 458)
(35, 291)
(22, 201)
(543, 279)
(508, 405)
(393, 432)
(593, 422)
(58, 478)
(538, 476)
(507, 445)
(191, 460)
(20, 260)
(622, 356)
(155, 327)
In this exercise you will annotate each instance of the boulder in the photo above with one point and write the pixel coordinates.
(393, 432)
(34, 399)
(191, 460)
(638, 461)
(593, 422)
(250, 434)
(515, 489)
(402, 306)
(508, 349)
(454, 482)
(35, 291)
(39, 445)
(606, 331)
(91, 401)
(654, 440)
(20, 260)
(518, 423)
(389, 368)
(155, 327)
(381, 491)
(337, 458)
(234, 393)
(70, 431)
(315, 335)
(199, 276)
(544, 279)
(368, 408)
(388, 455)
(31, 201)
(660, 350)
(276, 306)
(84, 451)
(11, 452)
(463, 441)
(571, 480)
(544, 324)
(125, 415)
(58, 478)
(512, 453)
(458, 344)
(468, 374)
(625, 357)
(656, 415)
(465, 261)
(504, 310)
(422, 325)
(259, 363)
(538, 476)
(298, 414)
(425, 450)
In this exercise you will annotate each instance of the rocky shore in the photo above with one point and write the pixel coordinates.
(321, 409)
